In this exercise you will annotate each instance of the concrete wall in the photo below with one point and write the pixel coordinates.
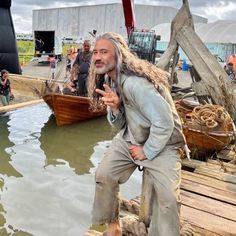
(78, 21)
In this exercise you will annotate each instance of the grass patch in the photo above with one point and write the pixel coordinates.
(26, 50)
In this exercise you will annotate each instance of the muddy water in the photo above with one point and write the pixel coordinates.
(47, 173)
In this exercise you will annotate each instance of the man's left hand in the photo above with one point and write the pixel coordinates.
(137, 152)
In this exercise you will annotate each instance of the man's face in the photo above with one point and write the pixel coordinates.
(104, 57)
(86, 46)
(5, 76)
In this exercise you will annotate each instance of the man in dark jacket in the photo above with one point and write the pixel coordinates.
(83, 61)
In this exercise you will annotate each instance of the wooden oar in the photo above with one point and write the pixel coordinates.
(19, 105)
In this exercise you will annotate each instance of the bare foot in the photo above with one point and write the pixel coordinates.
(114, 229)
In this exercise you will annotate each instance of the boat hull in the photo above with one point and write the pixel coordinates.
(200, 138)
(69, 109)
(207, 141)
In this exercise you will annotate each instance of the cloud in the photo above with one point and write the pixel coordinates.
(213, 10)
(222, 10)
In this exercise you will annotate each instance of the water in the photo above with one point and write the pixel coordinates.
(47, 173)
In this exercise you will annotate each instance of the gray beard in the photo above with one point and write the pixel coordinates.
(105, 69)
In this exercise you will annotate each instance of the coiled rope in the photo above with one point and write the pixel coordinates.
(207, 115)
(210, 115)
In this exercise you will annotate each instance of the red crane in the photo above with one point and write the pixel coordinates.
(141, 42)
(128, 8)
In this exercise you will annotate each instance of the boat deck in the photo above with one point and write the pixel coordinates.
(208, 192)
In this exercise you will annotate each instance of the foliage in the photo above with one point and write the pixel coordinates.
(26, 50)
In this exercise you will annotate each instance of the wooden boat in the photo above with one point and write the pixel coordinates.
(70, 109)
(201, 137)
(27, 91)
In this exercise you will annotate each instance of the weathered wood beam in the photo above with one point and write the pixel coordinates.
(168, 54)
(207, 67)
(183, 17)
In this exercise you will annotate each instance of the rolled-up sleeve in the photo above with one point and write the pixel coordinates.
(117, 120)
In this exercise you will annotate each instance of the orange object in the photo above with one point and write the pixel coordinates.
(232, 59)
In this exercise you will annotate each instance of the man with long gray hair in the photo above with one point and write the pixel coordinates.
(140, 106)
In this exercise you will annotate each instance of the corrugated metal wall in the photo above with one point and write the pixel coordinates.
(78, 21)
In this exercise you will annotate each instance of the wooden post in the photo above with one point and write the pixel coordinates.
(213, 76)
(183, 17)
(208, 68)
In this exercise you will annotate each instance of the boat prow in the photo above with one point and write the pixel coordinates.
(69, 109)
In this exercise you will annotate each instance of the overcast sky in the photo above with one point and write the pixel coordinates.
(212, 9)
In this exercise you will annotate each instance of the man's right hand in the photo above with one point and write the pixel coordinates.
(110, 98)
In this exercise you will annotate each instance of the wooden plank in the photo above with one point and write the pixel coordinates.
(212, 206)
(230, 178)
(198, 231)
(200, 88)
(208, 181)
(218, 194)
(211, 164)
(208, 221)
(227, 166)
(226, 154)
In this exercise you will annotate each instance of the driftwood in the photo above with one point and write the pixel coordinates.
(183, 17)
(212, 75)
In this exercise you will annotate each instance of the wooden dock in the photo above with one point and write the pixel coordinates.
(208, 192)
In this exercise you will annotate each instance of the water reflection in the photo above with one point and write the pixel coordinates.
(6, 167)
(73, 143)
(46, 183)
(5, 149)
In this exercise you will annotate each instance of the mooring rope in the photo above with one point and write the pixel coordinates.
(208, 115)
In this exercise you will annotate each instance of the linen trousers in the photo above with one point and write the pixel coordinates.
(117, 166)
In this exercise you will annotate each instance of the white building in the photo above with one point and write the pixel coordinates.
(219, 37)
(78, 21)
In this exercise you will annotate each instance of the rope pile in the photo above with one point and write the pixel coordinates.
(131, 206)
(131, 226)
(209, 115)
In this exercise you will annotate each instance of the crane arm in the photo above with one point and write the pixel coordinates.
(128, 8)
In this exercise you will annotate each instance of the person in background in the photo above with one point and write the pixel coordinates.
(83, 61)
(52, 65)
(39, 44)
(68, 66)
(140, 106)
(229, 69)
(5, 88)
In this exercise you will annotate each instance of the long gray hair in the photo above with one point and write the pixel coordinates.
(127, 63)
